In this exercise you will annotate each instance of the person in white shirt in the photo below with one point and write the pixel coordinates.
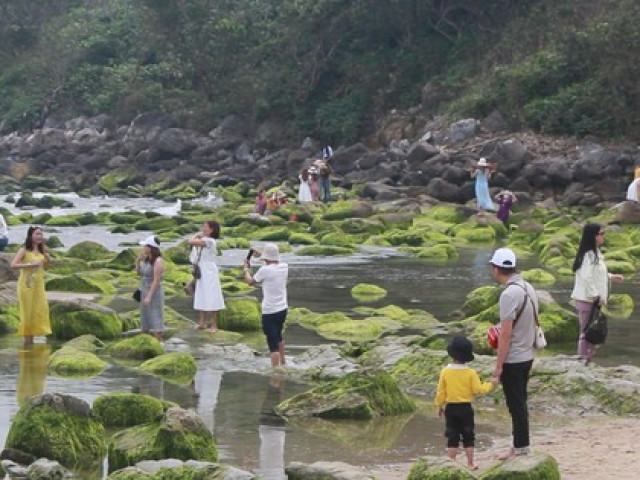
(632, 191)
(4, 233)
(273, 278)
(591, 282)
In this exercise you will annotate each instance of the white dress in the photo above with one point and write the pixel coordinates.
(208, 296)
(304, 194)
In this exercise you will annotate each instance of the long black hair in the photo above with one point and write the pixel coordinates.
(28, 243)
(587, 243)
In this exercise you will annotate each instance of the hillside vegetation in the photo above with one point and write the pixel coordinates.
(326, 68)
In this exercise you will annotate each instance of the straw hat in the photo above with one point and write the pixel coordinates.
(270, 252)
(150, 241)
(482, 162)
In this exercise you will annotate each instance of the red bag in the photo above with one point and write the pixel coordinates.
(493, 334)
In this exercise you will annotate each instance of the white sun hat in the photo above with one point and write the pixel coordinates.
(504, 258)
(271, 252)
(150, 241)
(483, 162)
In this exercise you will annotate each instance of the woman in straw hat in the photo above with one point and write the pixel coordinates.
(150, 267)
(482, 172)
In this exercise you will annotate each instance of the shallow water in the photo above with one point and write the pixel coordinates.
(236, 405)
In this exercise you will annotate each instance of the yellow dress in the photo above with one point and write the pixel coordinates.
(33, 371)
(34, 308)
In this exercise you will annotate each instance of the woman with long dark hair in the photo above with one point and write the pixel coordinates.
(591, 282)
(150, 267)
(208, 297)
(32, 259)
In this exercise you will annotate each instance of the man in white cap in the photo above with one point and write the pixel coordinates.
(273, 277)
(518, 312)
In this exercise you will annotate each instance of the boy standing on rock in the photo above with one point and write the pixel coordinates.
(457, 385)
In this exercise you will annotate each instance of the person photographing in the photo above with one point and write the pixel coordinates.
(272, 276)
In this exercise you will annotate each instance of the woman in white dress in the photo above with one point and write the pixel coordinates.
(208, 295)
(304, 194)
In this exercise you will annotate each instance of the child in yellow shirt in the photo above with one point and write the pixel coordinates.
(457, 385)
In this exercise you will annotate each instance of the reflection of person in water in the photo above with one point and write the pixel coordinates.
(272, 434)
(33, 371)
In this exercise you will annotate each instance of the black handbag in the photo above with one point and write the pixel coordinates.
(195, 271)
(137, 295)
(596, 330)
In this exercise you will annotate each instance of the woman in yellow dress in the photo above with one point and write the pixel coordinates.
(32, 259)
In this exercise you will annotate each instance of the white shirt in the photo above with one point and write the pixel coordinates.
(592, 279)
(4, 231)
(632, 191)
(273, 278)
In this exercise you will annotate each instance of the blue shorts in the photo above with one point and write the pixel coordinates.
(4, 241)
(272, 325)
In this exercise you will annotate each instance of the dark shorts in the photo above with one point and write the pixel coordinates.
(459, 424)
(272, 325)
(4, 241)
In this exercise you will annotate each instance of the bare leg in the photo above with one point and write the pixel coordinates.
(281, 353)
(214, 322)
(469, 452)
(275, 359)
(452, 452)
(201, 320)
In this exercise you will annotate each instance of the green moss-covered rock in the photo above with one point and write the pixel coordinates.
(126, 409)
(367, 292)
(58, 427)
(71, 362)
(9, 318)
(181, 435)
(89, 251)
(241, 314)
(348, 209)
(359, 395)
(202, 471)
(339, 239)
(80, 283)
(124, 260)
(86, 343)
(539, 277)
(446, 213)
(138, 347)
(272, 234)
(619, 305)
(117, 180)
(368, 226)
(361, 330)
(559, 324)
(437, 253)
(616, 266)
(72, 319)
(177, 366)
(474, 233)
(438, 468)
(535, 466)
(324, 251)
(480, 299)
(300, 238)
(66, 266)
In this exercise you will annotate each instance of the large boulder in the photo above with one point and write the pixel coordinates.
(58, 427)
(240, 314)
(535, 466)
(89, 251)
(72, 362)
(326, 471)
(176, 366)
(72, 319)
(360, 395)
(139, 347)
(181, 434)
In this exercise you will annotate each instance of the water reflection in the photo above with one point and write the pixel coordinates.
(207, 387)
(33, 371)
(271, 432)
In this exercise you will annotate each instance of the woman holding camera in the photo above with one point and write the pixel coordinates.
(208, 297)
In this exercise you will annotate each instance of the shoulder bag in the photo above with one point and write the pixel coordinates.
(195, 271)
(595, 332)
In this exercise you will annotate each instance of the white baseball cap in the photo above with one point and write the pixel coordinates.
(150, 241)
(503, 258)
(271, 252)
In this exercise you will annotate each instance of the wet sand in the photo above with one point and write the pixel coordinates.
(584, 448)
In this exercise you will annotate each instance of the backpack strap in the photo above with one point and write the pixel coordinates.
(524, 304)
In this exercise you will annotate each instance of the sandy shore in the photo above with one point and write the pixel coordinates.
(585, 448)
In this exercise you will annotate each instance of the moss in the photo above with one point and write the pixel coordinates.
(474, 233)
(241, 314)
(439, 253)
(324, 251)
(419, 370)
(116, 180)
(126, 409)
(89, 251)
(126, 218)
(52, 241)
(176, 366)
(539, 277)
(339, 239)
(124, 260)
(480, 299)
(71, 362)
(366, 292)
(616, 266)
(74, 440)
(403, 237)
(173, 321)
(66, 266)
(357, 330)
(446, 213)
(620, 305)
(170, 438)
(359, 395)
(272, 234)
(80, 283)
(347, 209)
(535, 466)
(438, 468)
(71, 319)
(9, 318)
(362, 226)
(138, 347)
(156, 224)
(313, 320)
(86, 343)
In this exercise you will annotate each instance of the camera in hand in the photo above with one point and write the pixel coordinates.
(250, 254)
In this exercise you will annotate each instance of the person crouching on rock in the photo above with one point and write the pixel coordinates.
(273, 278)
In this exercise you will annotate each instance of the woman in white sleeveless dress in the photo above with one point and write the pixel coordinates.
(208, 297)
(304, 194)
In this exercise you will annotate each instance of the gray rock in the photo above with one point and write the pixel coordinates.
(45, 469)
(175, 141)
(462, 130)
(439, 467)
(13, 469)
(326, 471)
(61, 402)
(629, 212)
(443, 190)
(420, 152)
(344, 160)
